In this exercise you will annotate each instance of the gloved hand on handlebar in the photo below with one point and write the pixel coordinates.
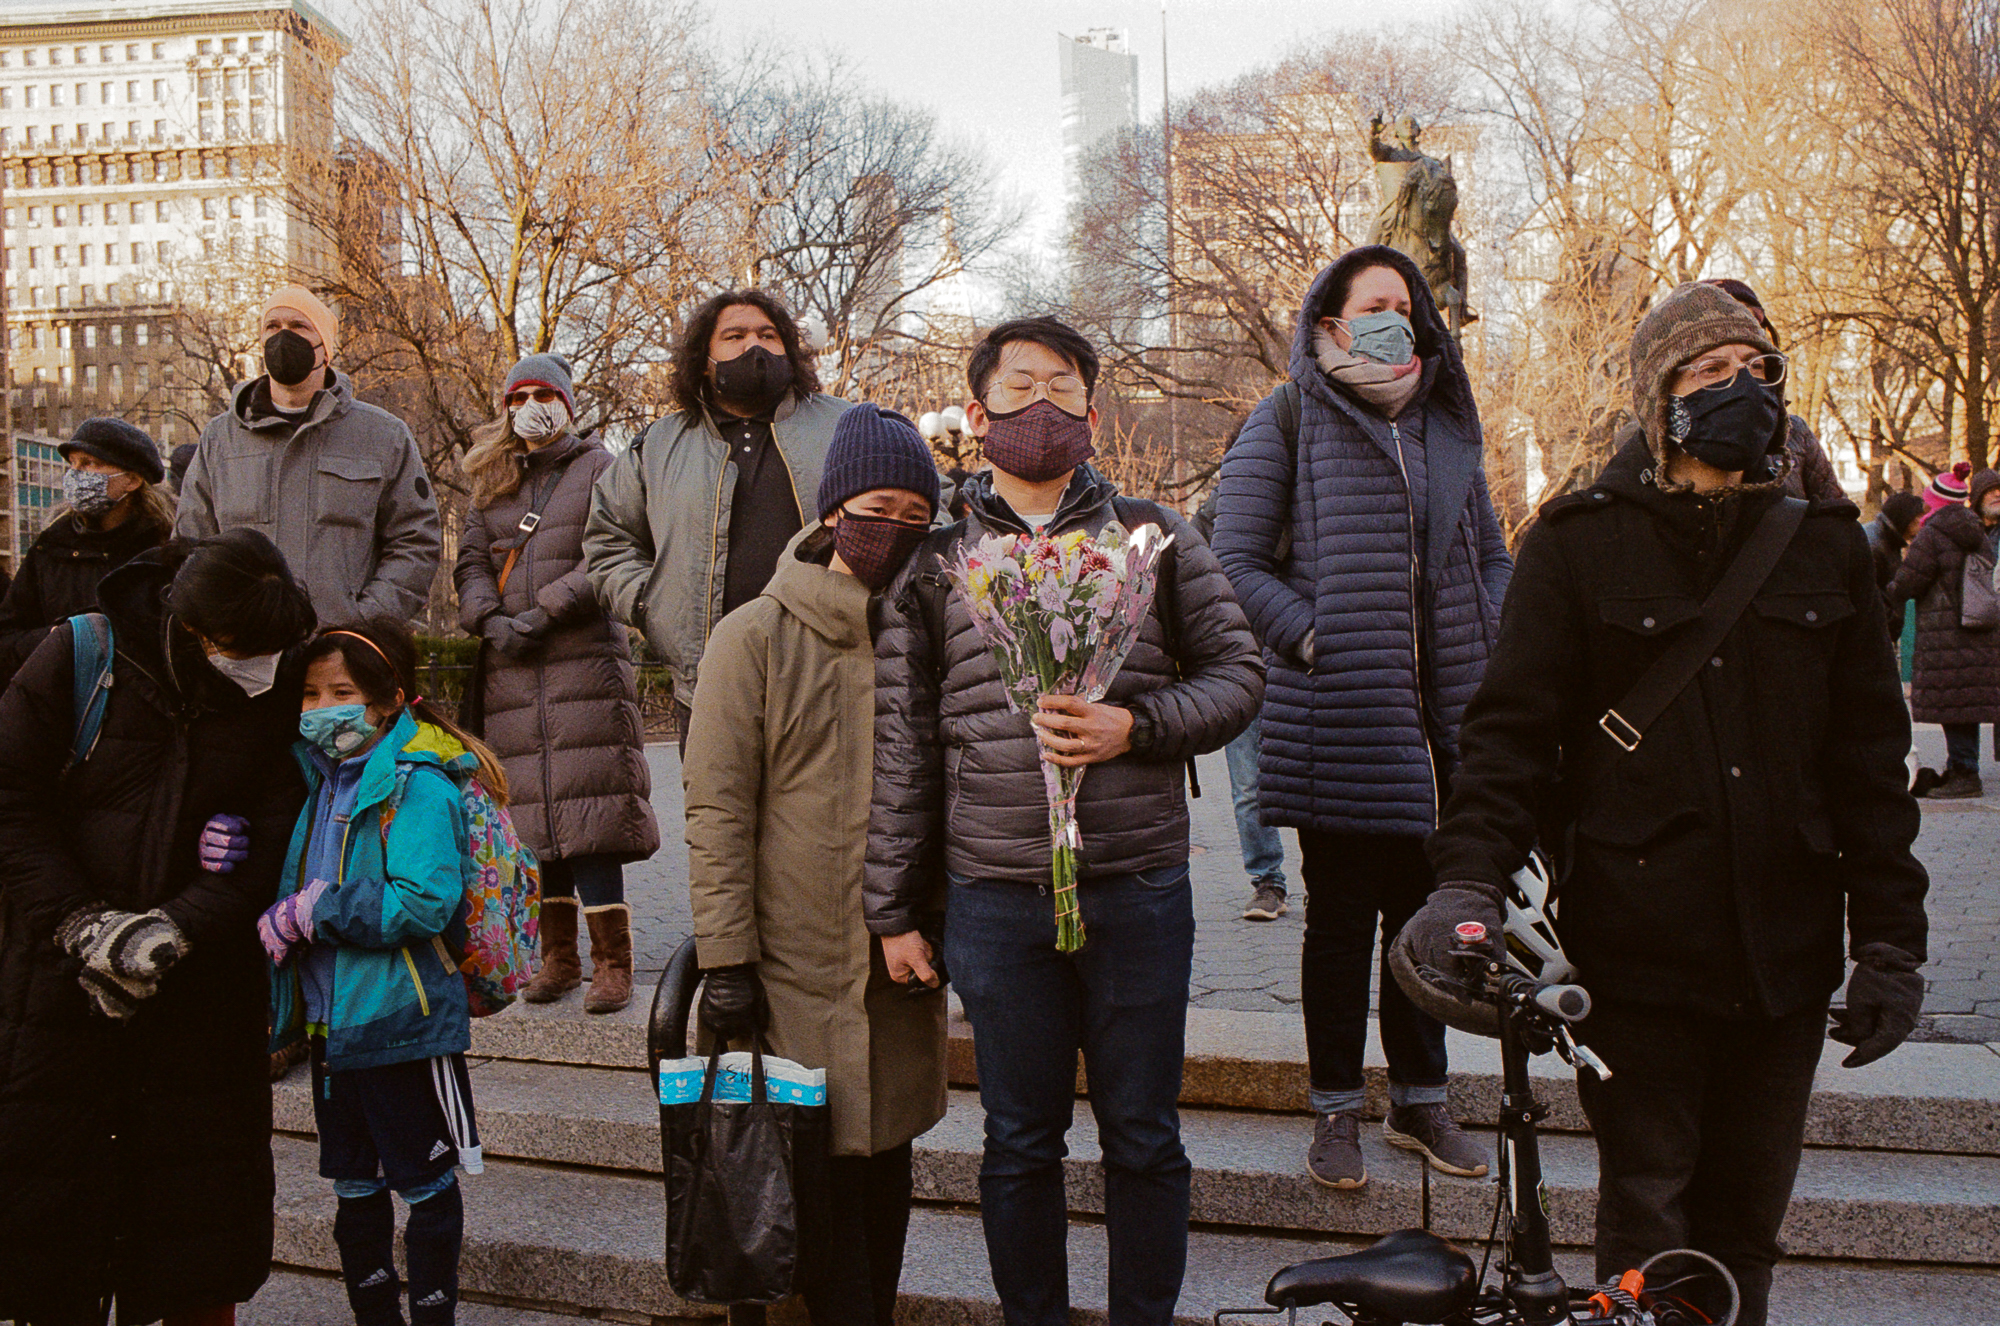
(1433, 930)
(1884, 996)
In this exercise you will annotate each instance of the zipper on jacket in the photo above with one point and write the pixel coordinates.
(714, 542)
(422, 1002)
(1416, 624)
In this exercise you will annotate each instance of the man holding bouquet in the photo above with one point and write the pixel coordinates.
(961, 809)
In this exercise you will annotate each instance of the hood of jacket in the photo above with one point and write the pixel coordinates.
(831, 604)
(559, 452)
(328, 403)
(1087, 490)
(1960, 525)
(1445, 384)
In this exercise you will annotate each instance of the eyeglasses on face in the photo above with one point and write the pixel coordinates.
(523, 396)
(1713, 372)
(1017, 391)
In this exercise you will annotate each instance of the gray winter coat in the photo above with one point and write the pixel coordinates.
(344, 496)
(958, 775)
(658, 539)
(564, 720)
(1401, 626)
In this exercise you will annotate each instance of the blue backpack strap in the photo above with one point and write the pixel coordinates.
(91, 651)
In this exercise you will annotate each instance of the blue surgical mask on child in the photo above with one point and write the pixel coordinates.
(339, 729)
(1386, 337)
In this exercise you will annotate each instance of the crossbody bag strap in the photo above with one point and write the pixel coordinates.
(530, 522)
(1661, 684)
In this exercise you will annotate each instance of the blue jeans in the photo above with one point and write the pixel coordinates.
(1961, 746)
(1122, 1001)
(1263, 850)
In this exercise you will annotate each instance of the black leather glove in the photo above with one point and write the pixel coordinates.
(1884, 996)
(732, 1002)
(507, 636)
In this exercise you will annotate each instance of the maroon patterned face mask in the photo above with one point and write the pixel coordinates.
(1039, 443)
(875, 547)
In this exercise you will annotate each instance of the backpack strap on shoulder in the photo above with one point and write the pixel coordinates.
(91, 650)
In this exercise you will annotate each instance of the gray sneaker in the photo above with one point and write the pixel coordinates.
(1335, 1157)
(1431, 1130)
(1267, 904)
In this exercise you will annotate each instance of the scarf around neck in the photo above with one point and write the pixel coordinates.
(1386, 388)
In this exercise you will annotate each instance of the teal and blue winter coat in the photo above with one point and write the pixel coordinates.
(396, 913)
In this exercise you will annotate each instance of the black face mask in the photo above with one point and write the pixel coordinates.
(1728, 427)
(289, 358)
(755, 379)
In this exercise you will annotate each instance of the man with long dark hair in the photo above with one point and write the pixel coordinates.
(688, 524)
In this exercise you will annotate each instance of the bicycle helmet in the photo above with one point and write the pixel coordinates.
(1531, 946)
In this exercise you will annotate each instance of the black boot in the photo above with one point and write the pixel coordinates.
(431, 1242)
(364, 1229)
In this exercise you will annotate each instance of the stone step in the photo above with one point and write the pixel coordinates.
(582, 1242)
(1930, 1097)
(1250, 1170)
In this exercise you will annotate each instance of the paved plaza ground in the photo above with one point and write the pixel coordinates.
(1252, 966)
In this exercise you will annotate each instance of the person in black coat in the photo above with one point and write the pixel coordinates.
(114, 509)
(135, 1114)
(1888, 535)
(1712, 867)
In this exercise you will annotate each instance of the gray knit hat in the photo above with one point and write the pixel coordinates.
(1983, 482)
(550, 371)
(116, 442)
(874, 448)
(1692, 320)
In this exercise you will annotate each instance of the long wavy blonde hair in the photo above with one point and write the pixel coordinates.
(493, 462)
(152, 505)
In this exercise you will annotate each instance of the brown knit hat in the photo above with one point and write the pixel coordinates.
(1692, 320)
(1982, 483)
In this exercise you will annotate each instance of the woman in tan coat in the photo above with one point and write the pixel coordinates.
(779, 769)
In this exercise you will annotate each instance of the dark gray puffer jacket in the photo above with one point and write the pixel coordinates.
(1397, 566)
(958, 780)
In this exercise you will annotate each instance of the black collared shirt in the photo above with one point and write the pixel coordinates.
(763, 511)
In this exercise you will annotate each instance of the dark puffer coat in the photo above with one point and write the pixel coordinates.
(1400, 631)
(564, 719)
(1955, 676)
(1712, 868)
(957, 771)
(136, 1157)
(59, 578)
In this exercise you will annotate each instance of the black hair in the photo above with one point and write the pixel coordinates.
(1902, 508)
(691, 387)
(235, 590)
(1045, 331)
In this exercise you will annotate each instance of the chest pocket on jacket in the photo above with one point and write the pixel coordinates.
(1813, 612)
(1649, 617)
(348, 489)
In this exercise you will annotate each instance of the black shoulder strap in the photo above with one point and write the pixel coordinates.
(1133, 512)
(1286, 402)
(1662, 683)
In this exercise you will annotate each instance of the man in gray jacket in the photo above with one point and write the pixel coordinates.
(687, 525)
(337, 484)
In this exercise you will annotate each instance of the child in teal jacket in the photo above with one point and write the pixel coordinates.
(370, 914)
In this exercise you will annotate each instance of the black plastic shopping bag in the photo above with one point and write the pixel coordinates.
(746, 1188)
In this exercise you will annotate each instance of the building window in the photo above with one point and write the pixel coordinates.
(205, 85)
(6, 138)
(235, 207)
(131, 131)
(61, 256)
(256, 43)
(83, 214)
(28, 97)
(256, 121)
(159, 50)
(159, 89)
(139, 331)
(108, 132)
(55, 55)
(159, 211)
(208, 168)
(107, 93)
(117, 381)
(204, 47)
(104, 54)
(208, 248)
(82, 54)
(131, 50)
(6, 98)
(111, 293)
(143, 375)
(232, 124)
(28, 58)
(164, 252)
(37, 338)
(263, 207)
(83, 255)
(159, 135)
(138, 253)
(90, 379)
(232, 83)
(131, 91)
(62, 338)
(139, 213)
(208, 209)
(65, 377)
(256, 82)
(207, 126)
(229, 45)
(59, 215)
(34, 259)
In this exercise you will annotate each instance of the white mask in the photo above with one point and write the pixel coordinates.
(540, 419)
(254, 674)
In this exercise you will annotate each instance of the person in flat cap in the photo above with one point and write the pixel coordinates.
(336, 483)
(114, 508)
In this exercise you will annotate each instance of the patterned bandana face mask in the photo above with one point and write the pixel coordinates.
(1039, 443)
(337, 729)
(875, 547)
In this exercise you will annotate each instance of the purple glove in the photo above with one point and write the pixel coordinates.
(285, 924)
(225, 840)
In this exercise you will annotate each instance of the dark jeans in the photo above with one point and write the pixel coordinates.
(1355, 883)
(594, 881)
(1961, 746)
(1122, 1001)
(855, 1280)
(1698, 1135)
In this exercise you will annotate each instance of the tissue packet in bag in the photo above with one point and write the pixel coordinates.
(785, 1082)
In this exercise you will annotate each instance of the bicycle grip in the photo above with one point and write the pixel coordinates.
(1570, 1003)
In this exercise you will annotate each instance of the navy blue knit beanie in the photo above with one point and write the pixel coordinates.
(875, 448)
(116, 442)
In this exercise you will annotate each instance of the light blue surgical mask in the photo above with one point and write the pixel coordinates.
(1386, 337)
(339, 729)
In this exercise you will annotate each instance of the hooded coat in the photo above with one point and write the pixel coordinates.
(1402, 623)
(136, 1157)
(564, 719)
(58, 579)
(778, 771)
(1955, 674)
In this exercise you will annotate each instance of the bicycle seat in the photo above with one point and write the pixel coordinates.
(1406, 1276)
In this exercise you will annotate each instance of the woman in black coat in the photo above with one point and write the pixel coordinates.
(135, 1112)
(1955, 680)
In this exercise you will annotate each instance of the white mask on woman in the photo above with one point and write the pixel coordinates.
(539, 419)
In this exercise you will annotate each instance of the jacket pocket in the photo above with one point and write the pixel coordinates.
(1812, 612)
(1648, 617)
(349, 489)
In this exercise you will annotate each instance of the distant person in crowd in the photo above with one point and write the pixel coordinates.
(1723, 864)
(1376, 621)
(560, 704)
(135, 1114)
(362, 942)
(114, 508)
(1955, 675)
(1902, 514)
(779, 768)
(960, 809)
(337, 484)
(177, 465)
(688, 525)
(1948, 488)
(1811, 473)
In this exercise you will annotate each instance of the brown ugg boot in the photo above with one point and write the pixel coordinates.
(561, 972)
(610, 958)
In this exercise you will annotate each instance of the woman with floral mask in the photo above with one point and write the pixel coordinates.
(135, 1114)
(557, 699)
(113, 509)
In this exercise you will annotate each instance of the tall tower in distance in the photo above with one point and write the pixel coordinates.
(1100, 96)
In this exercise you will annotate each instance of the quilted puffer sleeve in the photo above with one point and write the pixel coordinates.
(905, 870)
(1253, 505)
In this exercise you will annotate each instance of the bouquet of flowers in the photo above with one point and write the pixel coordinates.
(1060, 613)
